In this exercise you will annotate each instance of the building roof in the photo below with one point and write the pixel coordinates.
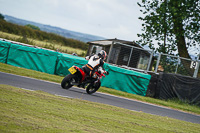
(108, 42)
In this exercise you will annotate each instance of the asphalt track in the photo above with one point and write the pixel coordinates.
(74, 92)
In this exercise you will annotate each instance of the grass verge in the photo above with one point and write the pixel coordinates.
(175, 104)
(44, 44)
(36, 111)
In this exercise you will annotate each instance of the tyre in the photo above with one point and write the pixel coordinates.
(92, 88)
(66, 82)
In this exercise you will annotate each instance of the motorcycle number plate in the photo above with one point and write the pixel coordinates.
(72, 70)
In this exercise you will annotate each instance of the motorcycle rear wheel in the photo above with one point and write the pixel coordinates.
(91, 88)
(66, 82)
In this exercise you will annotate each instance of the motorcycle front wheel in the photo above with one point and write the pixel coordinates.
(66, 82)
(92, 88)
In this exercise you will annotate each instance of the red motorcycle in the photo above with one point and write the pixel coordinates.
(78, 77)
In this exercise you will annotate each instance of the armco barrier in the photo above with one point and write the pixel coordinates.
(58, 63)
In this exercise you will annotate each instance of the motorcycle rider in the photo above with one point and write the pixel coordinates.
(95, 63)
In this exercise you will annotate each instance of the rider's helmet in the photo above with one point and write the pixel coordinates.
(102, 54)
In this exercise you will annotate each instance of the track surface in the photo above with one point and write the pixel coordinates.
(74, 92)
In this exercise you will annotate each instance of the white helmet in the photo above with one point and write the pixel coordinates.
(102, 54)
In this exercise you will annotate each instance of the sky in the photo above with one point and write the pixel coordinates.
(106, 18)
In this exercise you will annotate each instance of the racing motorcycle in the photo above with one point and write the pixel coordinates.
(78, 77)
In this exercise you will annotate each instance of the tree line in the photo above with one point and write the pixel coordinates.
(27, 31)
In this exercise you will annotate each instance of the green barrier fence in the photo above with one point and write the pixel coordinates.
(32, 58)
(126, 80)
(65, 61)
(58, 63)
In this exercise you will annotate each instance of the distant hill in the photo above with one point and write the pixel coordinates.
(48, 28)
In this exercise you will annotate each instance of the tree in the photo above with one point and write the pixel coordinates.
(33, 27)
(173, 24)
(1, 16)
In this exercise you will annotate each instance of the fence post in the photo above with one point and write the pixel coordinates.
(197, 69)
(130, 56)
(177, 65)
(6, 61)
(110, 50)
(158, 61)
(150, 60)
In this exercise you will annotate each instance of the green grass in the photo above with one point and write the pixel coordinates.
(23, 111)
(175, 104)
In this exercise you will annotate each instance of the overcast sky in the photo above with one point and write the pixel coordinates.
(105, 18)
